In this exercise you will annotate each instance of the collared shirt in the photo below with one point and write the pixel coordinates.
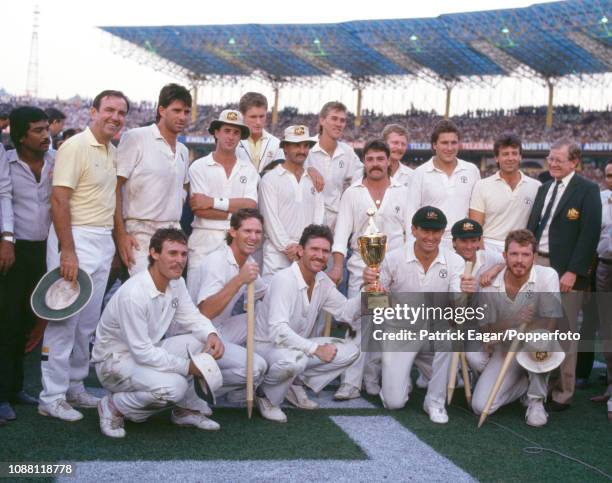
(216, 270)
(403, 175)
(88, 168)
(543, 245)
(339, 171)
(31, 203)
(287, 318)
(208, 177)
(604, 249)
(451, 194)
(155, 175)
(504, 209)
(138, 317)
(392, 217)
(260, 153)
(6, 206)
(288, 206)
(485, 260)
(401, 271)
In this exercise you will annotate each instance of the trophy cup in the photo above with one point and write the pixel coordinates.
(373, 246)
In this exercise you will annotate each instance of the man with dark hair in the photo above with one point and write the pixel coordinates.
(396, 137)
(566, 221)
(445, 181)
(289, 202)
(24, 238)
(152, 177)
(522, 293)
(502, 202)
(334, 160)
(220, 184)
(56, 121)
(137, 356)
(286, 327)
(82, 206)
(261, 147)
(389, 201)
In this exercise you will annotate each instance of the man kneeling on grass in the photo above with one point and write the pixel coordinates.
(144, 371)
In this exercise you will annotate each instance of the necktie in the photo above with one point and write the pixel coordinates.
(547, 212)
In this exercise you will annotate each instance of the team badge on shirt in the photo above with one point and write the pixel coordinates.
(312, 190)
(397, 210)
(528, 201)
(443, 273)
(175, 302)
(464, 179)
(573, 214)
(243, 179)
(341, 164)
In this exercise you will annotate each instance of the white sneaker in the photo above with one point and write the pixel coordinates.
(111, 424)
(59, 409)
(298, 397)
(372, 387)
(346, 392)
(536, 415)
(422, 382)
(187, 417)
(82, 399)
(269, 411)
(437, 414)
(200, 406)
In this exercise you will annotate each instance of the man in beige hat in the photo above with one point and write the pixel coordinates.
(220, 184)
(289, 202)
(522, 290)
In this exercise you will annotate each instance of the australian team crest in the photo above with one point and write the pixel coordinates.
(175, 302)
(573, 214)
(443, 273)
(243, 179)
(464, 179)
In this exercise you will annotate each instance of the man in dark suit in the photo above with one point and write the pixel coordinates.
(566, 220)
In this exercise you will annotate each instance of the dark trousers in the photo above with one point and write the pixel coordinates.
(16, 317)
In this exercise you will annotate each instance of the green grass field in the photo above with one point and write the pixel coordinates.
(492, 453)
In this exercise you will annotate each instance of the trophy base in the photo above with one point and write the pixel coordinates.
(377, 300)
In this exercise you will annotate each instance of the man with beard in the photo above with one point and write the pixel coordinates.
(30, 172)
(396, 138)
(225, 274)
(151, 177)
(387, 199)
(220, 185)
(520, 292)
(143, 366)
(502, 202)
(289, 202)
(286, 326)
(82, 206)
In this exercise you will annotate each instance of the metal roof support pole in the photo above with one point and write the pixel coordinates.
(449, 88)
(194, 102)
(358, 109)
(275, 106)
(549, 109)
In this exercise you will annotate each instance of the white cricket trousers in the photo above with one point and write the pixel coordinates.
(284, 365)
(517, 382)
(143, 230)
(201, 243)
(66, 342)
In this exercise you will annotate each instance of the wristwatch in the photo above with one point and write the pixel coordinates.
(8, 238)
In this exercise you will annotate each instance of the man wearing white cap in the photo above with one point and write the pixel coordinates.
(521, 291)
(389, 201)
(220, 184)
(151, 177)
(136, 360)
(82, 204)
(288, 202)
(286, 328)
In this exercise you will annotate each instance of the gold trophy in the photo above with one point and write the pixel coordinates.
(373, 247)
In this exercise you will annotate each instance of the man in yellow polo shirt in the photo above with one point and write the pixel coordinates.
(82, 205)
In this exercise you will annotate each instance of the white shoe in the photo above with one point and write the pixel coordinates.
(82, 399)
(536, 415)
(346, 392)
(200, 406)
(437, 414)
(59, 409)
(111, 424)
(187, 417)
(269, 411)
(372, 387)
(422, 382)
(298, 397)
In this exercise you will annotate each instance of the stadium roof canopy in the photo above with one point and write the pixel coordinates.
(570, 38)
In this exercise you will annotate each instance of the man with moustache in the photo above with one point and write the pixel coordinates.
(28, 219)
(220, 184)
(445, 181)
(286, 326)
(566, 221)
(82, 206)
(143, 366)
(151, 177)
(502, 202)
(396, 138)
(288, 202)
(521, 292)
(376, 192)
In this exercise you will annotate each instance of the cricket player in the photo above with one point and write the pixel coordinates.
(396, 137)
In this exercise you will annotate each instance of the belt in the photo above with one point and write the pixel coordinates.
(605, 261)
(542, 254)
